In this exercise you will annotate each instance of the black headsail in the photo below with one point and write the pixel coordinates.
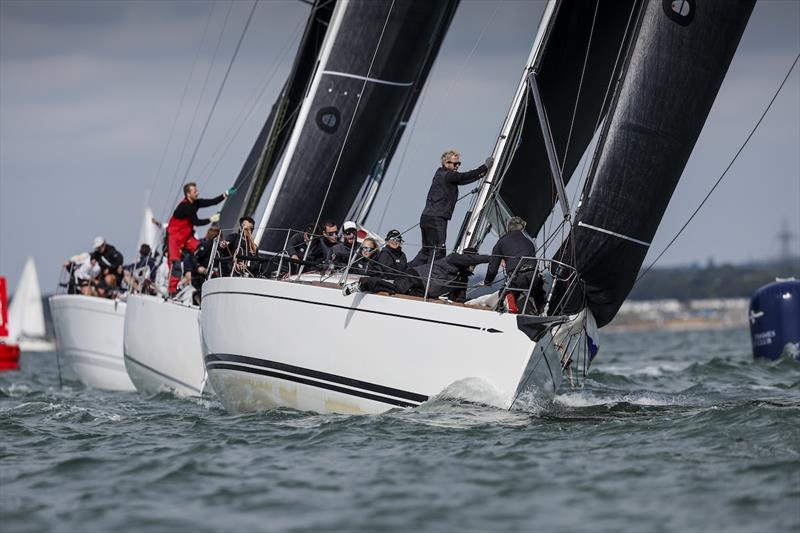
(372, 64)
(576, 56)
(672, 75)
(361, 208)
(272, 139)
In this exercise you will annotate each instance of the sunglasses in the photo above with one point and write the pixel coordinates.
(350, 232)
(455, 163)
(368, 250)
(331, 233)
(395, 239)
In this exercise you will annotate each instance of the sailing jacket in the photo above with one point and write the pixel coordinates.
(340, 252)
(188, 211)
(449, 273)
(181, 225)
(297, 246)
(327, 247)
(109, 259)
(443, 194)
(393, 262)
(511, 247)
(365, 266)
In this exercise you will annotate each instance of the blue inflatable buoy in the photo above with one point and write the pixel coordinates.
(775, 320)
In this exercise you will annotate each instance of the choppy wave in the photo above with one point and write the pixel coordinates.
(674, 432)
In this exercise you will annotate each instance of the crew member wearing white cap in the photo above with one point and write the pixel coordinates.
(343, 251)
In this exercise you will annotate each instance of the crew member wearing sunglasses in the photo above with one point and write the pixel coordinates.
(392, 259)
(343, 251)
(365, 264)
(330, 238)
(441, 201)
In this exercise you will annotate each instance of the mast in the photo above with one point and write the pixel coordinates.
(560, 101)
(470, 236)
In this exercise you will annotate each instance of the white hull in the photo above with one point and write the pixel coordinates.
(272, 343)
(89, 337)
(162, 346)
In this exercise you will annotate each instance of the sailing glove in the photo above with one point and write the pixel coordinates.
(214, 218)
(489, 162)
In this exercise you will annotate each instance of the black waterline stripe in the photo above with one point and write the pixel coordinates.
(316, 374)
(163, 375)
(488, 330)
(224, 366)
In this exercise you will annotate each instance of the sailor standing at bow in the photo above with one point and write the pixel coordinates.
(441, 201)
(180, 229)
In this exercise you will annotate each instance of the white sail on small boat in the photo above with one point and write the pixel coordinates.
(26, 325)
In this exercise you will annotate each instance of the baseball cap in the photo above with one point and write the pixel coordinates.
(394, 234)
(98, 242)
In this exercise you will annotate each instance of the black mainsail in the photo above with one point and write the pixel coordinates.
(271, 141)
(672, 75)
(369, 71)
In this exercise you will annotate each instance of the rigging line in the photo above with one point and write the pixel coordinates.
(611, 82)
(168, 196)
(425, 90)
(180, 105)
(580, 86)
(242, 121)
(221, 87)
(471, 53)
(403, 157)
(473, 191)
(725, 172)
(353, 119)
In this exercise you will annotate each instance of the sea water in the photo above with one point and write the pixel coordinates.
(671, 431)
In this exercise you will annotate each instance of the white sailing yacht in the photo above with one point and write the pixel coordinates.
(594, 72)
(89, 331)
(26, 325)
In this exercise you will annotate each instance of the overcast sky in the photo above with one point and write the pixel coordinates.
(89, 92)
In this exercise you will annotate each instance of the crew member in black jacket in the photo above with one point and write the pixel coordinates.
(511, 248)
(392, 259)
(108, 257)
(441, 201)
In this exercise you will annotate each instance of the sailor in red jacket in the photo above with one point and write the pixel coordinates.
(181, 227)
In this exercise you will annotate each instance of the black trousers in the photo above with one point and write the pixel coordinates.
(403, 285)
(434, 240)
